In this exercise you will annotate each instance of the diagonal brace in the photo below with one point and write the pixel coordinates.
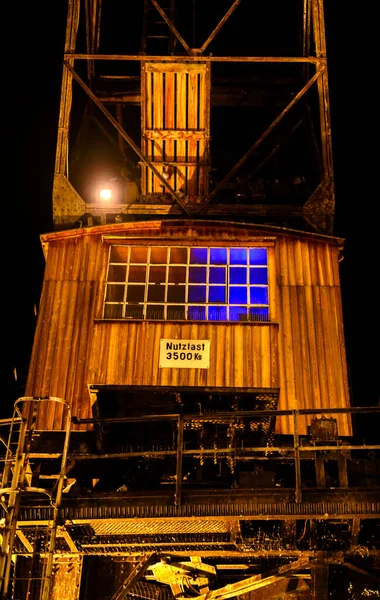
(126, 137)
(255, 582)
(172, 27)
(134, 576)
(219, 26)
(262, 138)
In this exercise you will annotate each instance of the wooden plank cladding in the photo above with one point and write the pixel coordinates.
(130, 354)
(312, 350)
(175, 128)
(174, 134)
(300, 350)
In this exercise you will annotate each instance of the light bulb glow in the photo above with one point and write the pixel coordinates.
(105, 194)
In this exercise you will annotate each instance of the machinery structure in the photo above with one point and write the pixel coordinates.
(187, 429)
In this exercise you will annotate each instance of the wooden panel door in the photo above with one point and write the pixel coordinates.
(176, 128)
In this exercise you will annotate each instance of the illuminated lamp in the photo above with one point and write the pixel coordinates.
(105, 194)
(108, 189)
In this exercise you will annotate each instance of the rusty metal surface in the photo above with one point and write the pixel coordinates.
(66, 578)
(126, 137)
(199, 229)
(259, 141)
(159, 526)
(176, 44)
(223, 508)
(323, 429)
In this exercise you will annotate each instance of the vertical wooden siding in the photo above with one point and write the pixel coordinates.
(303, 354)
(313, 370)
(64, 330)
(241, 355)
(175, 127)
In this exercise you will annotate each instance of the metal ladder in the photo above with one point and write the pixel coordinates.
(156, 35)
(15, 485)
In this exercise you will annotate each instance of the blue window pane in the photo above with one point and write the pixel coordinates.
(217, 313)
(197, 274)
(238, 295)
(198, 256)
(238, 313)
(197, 293)
(218, 256)
(258, 295)
(238, 275)
(217, 293)
(258, 256)
(217, 275)
(238, 256)
(197, 313)
(259, 314)
(258, 275)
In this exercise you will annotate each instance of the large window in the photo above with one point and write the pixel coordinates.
(187, 283)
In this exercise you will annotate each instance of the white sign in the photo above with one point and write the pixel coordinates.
(185, 354)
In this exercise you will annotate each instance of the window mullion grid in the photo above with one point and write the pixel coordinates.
(249, 286)
(187, 285)
(187, 264)
(168, 257)
(106, 286)
(225, 285)
(247, 308)
(228, 284)
(147, 277)
(126, 282)
(207, 282)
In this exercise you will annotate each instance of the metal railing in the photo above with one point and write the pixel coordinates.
(294, 451)
(18, 452)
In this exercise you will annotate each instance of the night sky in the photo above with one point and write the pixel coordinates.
(31, 92)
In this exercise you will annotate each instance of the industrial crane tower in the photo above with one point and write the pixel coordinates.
(187, 430)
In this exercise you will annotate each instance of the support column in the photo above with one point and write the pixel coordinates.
(320, 582)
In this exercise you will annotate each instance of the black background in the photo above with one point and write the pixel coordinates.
(33, 43)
